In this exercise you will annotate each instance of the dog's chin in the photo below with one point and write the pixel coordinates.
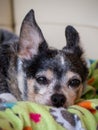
(66, 105)
(49, 103)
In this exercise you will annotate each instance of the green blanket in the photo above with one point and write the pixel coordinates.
(32, 116)
(91, 90)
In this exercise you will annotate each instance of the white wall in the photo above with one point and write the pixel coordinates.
(6, 20)
(54, 15)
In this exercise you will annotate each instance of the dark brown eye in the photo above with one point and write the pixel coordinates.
(42, 80)
(74, 83)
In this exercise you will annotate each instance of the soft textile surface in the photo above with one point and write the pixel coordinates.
(31, 116)
(91, 90)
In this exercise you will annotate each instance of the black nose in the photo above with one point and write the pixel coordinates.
(58, 100)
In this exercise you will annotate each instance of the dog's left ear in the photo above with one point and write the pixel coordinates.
(73, 41)
(31, 37)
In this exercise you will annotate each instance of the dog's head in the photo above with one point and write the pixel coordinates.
(54, 77)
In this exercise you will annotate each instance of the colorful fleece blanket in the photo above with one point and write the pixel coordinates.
(91, 90)
(31, 116)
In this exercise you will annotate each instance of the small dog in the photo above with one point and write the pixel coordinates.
(30, 70)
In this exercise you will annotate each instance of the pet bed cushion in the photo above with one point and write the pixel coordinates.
(32, 116)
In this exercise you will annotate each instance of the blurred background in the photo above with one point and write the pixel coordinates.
(53, 16)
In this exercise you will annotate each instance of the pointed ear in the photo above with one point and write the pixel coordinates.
(31, 37)
(73, 40)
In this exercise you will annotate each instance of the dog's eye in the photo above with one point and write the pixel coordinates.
(74, 83)
(42, 80)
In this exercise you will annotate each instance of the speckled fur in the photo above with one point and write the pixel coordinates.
(30, 70)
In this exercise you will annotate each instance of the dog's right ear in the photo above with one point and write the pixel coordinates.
(31, 37)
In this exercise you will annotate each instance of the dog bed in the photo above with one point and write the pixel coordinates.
(32, 116)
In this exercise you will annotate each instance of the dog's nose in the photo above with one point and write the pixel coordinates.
(58, 100)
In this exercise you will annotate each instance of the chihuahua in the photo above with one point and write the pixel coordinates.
(32, 71)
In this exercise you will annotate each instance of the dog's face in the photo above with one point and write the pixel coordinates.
(54, 77)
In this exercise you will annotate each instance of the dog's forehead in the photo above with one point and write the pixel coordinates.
(58, 62)
(60, 57)
(62, 61)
